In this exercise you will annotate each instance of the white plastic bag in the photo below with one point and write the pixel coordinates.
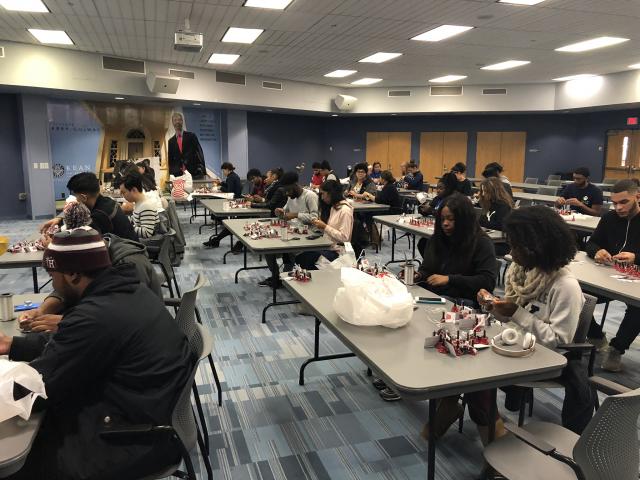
(22, 374)
(346, 259)
(367, 301)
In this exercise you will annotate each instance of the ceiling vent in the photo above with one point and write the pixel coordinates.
(448, 91)
(123, 64)
(233, 78)
(1, 52)
(399, 93)
(182, 74)
(272, 85)
(494, 91)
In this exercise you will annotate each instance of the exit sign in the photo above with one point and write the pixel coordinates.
(632, 120)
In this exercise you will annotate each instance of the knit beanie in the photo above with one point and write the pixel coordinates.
(75, 214)
(76, 251)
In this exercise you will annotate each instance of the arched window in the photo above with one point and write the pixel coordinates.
(135, 133)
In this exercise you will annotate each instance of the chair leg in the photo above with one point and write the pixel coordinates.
(604, 313)
(216, 379)
(203, 422)
(523, 405)
(204, 449)
(530, 395)
(461, 417)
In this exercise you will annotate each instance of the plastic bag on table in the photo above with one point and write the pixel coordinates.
(367, 300)
(346, 259)
(26, 376)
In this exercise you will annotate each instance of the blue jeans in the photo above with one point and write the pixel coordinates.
(307, 260)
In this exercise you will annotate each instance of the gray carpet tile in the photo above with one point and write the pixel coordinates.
(335, 426)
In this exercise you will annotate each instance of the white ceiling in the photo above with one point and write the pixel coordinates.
(313, 37)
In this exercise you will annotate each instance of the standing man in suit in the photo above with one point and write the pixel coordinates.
(185, 152)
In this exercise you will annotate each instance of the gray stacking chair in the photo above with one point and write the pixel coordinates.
(531, 180)
(553, 177)
(607, 449)
(547, 191)
(554, 183)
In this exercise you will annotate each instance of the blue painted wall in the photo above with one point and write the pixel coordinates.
(75, 137)
(11, 171)
(205, 123)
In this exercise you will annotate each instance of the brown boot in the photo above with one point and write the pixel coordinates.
(483, 430)
(447, 412)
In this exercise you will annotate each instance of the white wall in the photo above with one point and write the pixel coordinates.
(238, 141)
(612, 89)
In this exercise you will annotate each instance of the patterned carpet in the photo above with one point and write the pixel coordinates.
(336, 426)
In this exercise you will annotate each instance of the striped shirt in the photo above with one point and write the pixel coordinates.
(145, 219)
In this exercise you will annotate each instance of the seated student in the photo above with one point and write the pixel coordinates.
(445, 187)
(254, 184)
(118, 359)
(542, 297)
(414, 179)
(496, 205)
(617, 238)
(464, 184)
(145, 216)
(274, 196)
(317, 178)
(337, 227)
(360, 184)
(106, 215)
(231, 184)
(389, 194)
(581, 195)
(149, 187)
(148, 175)
(376, 173)
(494, 169)
(326, 171)
(301, 204)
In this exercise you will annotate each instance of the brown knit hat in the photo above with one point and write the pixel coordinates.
(76, 251)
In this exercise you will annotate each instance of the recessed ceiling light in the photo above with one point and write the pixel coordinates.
(269, 110)
(441, 33)
(592, 44)
(380, 57)
(25, 5)
(241, 35)
(119, 98)
(521, 2)
(573, 77)
(635, 65)
(506, 65)
(334, 115)
(223, 58)
(340, 73)
(366, 81)
(448, 78)
(59, 37)
(196, 104)
(273, 4)
(394, 114)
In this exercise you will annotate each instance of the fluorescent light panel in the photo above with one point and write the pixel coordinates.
(380, 57)
(223, 58)
(366, 81)
(25, 6)
(573, 77)
(506, 65)
(340, 73)
(272, 4)
(241, 35)
(635, 65)
(521, 2)
(58, 37)
(592, 44)
(448, 78)
(441, 33)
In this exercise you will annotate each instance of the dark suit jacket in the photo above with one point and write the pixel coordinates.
(191, 156)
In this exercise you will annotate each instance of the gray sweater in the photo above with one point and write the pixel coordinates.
(306, 206)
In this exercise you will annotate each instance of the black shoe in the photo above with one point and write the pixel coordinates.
(237, 248)
(212, 243)
(389, 395)
(265, 283)
(378, 383)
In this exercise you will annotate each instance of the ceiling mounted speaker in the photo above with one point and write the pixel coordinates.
(162, 84)
(345, 102)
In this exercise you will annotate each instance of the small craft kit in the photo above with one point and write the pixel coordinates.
(461, 332)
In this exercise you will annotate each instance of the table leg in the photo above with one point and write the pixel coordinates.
(431, 449)
(34, 271)
(224, 257)
(206, 223)
(275, 302)
(493, 414)
(244, 252)
(316, 353)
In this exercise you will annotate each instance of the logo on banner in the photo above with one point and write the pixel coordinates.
(58, 170)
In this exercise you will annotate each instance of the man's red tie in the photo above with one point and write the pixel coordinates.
(179, 137)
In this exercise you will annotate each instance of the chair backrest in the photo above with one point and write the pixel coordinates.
(164, 257)
(547, 191)
(531, 180)
(554, 183)
(182, 419)
(553, 177)
(585, 318)
(186, 317)
(608, 447)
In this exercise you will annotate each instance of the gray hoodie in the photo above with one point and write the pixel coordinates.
(122, 250)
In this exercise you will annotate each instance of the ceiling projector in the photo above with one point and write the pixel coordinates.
(188, 42)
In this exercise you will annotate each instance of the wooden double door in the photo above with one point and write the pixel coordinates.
(390, 149)
(623, 154)
(439, 151)
(506, 148)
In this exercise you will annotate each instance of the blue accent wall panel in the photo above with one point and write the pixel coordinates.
(11, 171)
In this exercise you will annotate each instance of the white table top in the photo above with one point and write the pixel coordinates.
(216, 207)
(584, 223)
(21, 260)
(399, 357)
(12, 328)
(362, 206)
(595, 278)
(275, 245)
(426, 232)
